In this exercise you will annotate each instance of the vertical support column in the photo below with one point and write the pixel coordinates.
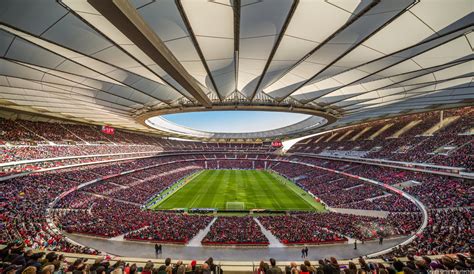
(441, 118)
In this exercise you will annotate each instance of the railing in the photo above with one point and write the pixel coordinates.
(225, 266)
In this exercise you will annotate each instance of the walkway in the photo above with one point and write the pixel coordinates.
(147, 250)
(196, 240)
(274, 242)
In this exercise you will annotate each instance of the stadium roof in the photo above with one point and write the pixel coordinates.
(121, 62)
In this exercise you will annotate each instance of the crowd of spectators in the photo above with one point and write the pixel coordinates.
(138, 186)
(23, 211)
(42, 142)
(448, 231)
(443, 192)
(435, 191)
(326, 227)
(235, 230)
(21, 153)
(451, 145)
(131, 189)
(391, 203)
(107, 218)
(175, 228)
(297, 229)
(424, 264)
(15, 258)
(337, 190)
(25, 199)
(76, 200)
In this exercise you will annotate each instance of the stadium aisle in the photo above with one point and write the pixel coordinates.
(196, 241)
(274, 242)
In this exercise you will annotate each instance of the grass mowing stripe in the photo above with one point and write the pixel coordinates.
(201, 193)
(296, 189)
(208, 190)
(255, 188)
(270, 193)
(294, 201)
(170, 192)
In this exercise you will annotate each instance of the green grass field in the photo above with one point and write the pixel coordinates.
(240, 189)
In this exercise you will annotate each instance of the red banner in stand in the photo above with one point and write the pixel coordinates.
(277, 143)
(108, 130)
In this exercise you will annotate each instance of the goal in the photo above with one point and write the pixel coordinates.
(235, 205)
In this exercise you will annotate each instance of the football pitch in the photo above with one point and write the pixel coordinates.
(240, 190)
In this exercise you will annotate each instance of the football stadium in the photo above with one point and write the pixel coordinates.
(236, 136)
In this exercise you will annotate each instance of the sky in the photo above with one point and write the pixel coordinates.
(234, 121)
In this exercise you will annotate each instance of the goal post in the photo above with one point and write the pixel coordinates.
(234, 205)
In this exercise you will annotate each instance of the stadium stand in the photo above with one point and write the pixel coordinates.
(14, 257)
(235, 230)
(113, 199)
(225, 132)
(428, 141)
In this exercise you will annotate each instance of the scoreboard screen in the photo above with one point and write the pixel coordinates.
(108, 130)
(277, 143)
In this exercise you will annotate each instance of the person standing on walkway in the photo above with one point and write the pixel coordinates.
(306, 251)
(355, 244)
(381, 240)
(157, 250)
(302, 253)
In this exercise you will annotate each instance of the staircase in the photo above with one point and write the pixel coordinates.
(196, 240)
(405, 128)
(274, 242)
(442, 124)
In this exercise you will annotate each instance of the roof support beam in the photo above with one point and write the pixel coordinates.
(275, 47)
(179, 6)
(323, 43)
(127, 20)
(398, 62)
(236, 6)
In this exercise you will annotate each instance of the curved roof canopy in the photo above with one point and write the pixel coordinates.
(303, 126)
(120, 62)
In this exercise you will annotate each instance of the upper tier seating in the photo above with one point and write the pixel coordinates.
(451, 145)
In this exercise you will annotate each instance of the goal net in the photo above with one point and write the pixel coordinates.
(235, 206)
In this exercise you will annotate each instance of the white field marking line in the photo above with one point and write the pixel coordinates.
(189, 179)
(197, 196)
(192, 177)
(272, 196)
(194, 199)
(280, 179)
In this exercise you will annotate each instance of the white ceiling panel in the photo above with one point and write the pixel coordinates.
(354, 59)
